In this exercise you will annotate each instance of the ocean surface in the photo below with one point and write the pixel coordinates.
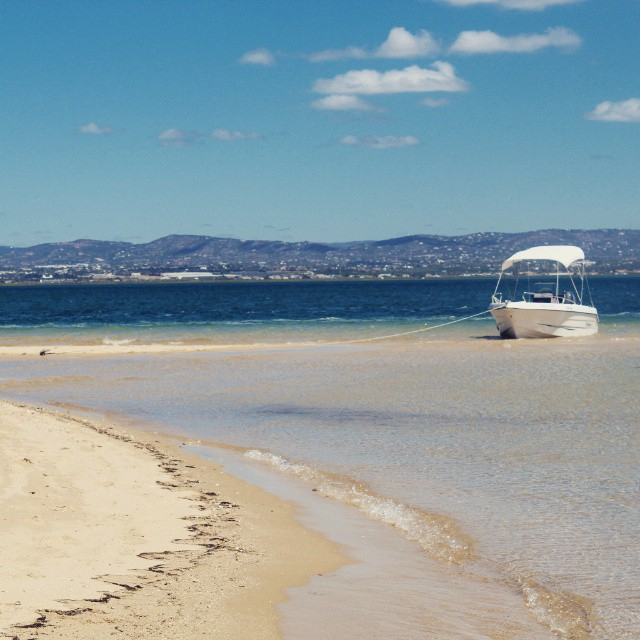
(229, 313)
(506, 472)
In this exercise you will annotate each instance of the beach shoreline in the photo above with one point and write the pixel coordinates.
(491, 341)
(106, 528)
(390, 421)
(141, 349)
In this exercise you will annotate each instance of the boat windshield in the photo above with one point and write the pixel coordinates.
(552, 285)
(542, 292)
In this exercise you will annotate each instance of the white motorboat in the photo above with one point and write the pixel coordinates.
(547, 309)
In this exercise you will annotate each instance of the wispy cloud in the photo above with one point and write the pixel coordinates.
(380, 142)
(400, 43)
(177, 138)
(274, 228)
(478, 42)
(329, 55)
(523, 5)
(261, 56)
(95, 129)
(626, 111)
(434, 103)
(342, 103)
(440, 77)
(227, 135)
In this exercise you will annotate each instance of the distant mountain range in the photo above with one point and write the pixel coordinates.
(611, 249)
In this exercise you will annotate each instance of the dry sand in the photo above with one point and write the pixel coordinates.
(105, 532)
(141, 349)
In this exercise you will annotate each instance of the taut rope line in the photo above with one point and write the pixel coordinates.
(405, 333)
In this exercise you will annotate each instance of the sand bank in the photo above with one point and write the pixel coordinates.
(106, 532)
(139, 349)
(437, 340)
(163, 348)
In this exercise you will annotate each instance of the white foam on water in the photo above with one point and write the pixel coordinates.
(438, 536)
(567, 616)
(118, 342)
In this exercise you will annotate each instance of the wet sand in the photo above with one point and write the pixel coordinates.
(105, 531)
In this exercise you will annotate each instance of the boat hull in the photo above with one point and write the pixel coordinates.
(527, 320)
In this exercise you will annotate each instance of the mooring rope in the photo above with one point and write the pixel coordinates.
(404, 333)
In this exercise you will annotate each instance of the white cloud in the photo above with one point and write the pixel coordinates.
(434, 103)
(626, 111)
(400, 43)
(440, 77)
(328, 55)
(95, 129)
(258, 56)
(474, 42)
(380, 142)
(177, 138)
(524, 5)
(233, 136)
(342, 103)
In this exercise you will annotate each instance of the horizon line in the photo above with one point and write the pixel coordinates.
(325, 242)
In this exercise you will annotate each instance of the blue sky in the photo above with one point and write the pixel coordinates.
(323, 120)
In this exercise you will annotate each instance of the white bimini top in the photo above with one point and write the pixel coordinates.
(564, 254)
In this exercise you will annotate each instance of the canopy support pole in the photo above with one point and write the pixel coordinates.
(578, 295)
(497, 284)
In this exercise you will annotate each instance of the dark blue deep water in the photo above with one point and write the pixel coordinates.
(166, 304)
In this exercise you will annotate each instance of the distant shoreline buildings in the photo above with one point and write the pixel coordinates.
(181, 258)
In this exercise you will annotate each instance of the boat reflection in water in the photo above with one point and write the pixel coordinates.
(554, 308)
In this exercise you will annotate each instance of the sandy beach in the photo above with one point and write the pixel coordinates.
(105, 532)
(29, 351)
(128, 349)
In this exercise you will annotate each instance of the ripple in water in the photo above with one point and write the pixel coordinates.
(438, 536)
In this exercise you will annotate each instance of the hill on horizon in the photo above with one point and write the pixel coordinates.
(483, 251)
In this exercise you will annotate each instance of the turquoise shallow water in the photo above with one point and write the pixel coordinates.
(516, 460)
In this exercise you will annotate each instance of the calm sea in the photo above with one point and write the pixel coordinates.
(265, 312)
(509, 469)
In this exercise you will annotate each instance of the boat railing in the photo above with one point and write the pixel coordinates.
(536, 296)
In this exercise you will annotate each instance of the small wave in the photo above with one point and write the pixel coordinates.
(118, 342)
(567, 615)
(621, 314)
(437, 535)
(44, 325)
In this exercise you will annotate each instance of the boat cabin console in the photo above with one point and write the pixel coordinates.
(544, 292)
